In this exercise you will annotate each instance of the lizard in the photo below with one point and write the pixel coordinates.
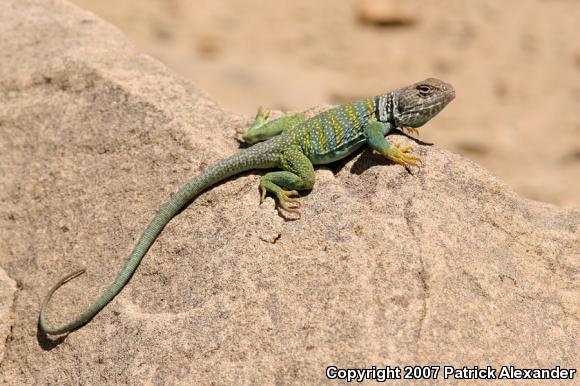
(293, 144)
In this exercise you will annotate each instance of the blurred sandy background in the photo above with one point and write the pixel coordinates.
(515, 66)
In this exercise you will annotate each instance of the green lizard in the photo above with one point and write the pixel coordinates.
(293, 144)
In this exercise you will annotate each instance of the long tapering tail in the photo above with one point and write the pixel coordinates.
(259, 156)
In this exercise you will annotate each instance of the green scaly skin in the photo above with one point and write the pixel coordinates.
(294, 145)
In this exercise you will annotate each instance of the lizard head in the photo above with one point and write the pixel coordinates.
(414, 105)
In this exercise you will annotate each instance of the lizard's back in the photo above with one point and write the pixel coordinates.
(333, 134)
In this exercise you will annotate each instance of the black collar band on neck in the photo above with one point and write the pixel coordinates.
(378, 108)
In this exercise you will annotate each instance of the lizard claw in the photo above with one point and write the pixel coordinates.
(251, 135)
(399, 155)
(288, 200)
(262, 114)
(263, 192)
(410, 130)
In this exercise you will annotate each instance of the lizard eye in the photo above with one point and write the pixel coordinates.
(423, 90)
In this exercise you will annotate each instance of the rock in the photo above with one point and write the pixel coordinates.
(386, 13)
(440, 265)
(7, 290)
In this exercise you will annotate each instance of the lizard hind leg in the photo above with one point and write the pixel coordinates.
(262, 130)
(298, 174)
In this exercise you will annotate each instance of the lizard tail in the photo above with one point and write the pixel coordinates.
(259, 156)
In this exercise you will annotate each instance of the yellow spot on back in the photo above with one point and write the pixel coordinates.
(306, 139)
(351, 114)
(294, 137)
(338, 130)
(322, 140)
(317, 128)
(370, 104)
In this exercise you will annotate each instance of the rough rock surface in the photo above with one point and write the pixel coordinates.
(7, 290)
(444, 265)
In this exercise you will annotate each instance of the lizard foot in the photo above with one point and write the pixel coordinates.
(399, 155)
(249, 135)
(410, 130)
(261, 117)
(287, 199)
(262, 114)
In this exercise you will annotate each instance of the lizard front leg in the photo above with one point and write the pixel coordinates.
(376, 132)
(298, 174)
(262, 130)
